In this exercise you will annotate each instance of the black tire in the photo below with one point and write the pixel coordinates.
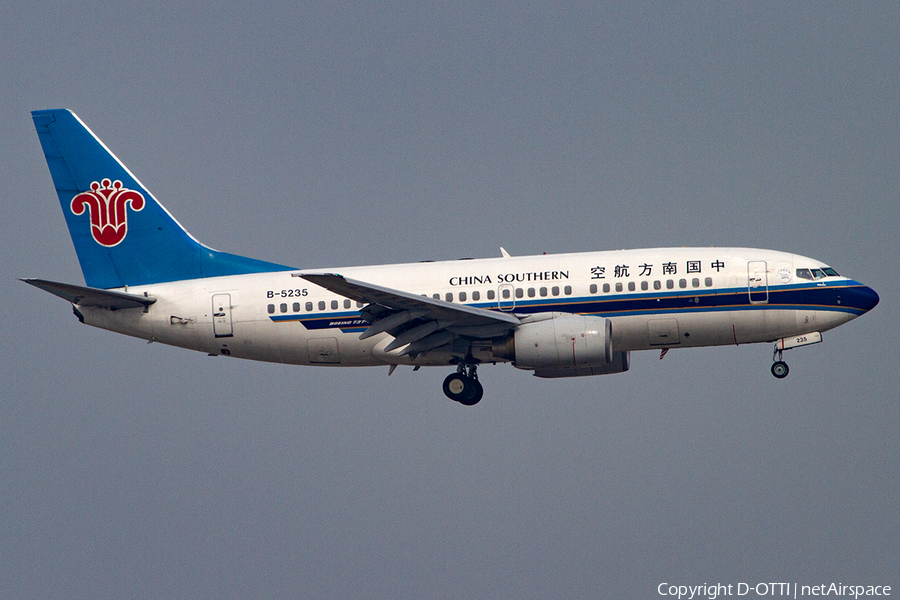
(780, 369)
(456, 387)
(477, 393)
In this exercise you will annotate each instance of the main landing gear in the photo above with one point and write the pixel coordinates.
(779, 367)
(463, 386)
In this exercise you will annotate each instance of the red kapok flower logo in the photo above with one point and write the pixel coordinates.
(107, 204)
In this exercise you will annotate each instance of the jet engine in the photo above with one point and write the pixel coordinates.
(557, 343)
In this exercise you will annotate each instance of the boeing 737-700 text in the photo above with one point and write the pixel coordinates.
(563, 315)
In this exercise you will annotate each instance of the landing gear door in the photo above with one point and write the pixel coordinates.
(663, 332)
(323, 351)
(222, 315)
(758, 282)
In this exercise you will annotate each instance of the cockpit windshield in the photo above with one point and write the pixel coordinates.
(816, 274)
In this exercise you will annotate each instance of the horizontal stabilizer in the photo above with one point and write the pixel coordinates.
(85, 296)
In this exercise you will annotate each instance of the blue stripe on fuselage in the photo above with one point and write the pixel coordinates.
(828, 297)
(845, 296)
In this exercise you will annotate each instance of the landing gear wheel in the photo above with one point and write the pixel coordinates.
(463, 388)
(457, 387)
(477, 393)
(780, 369)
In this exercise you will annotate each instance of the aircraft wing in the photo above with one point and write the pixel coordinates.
(86, 296)
(420, 322)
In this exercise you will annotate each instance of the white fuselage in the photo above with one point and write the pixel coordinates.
(654, 298)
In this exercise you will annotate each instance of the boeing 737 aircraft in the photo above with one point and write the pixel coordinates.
(564, 315)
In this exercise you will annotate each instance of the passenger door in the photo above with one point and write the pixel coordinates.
(758, 282)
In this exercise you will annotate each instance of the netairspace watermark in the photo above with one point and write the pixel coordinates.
(712, 591)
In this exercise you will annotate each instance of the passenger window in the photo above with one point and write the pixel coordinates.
(476, 296)
(346, 304)
(359, 305)
(520, 293)
(334, 305)
(448, 296)
(296, 307)
(657, 285)
(309, 307)
(462, 296)
(593, 288)
(531, 292)
(321, 305)
(618, 287)
(491, 294)
(708, 281)
(436, 296)
(506, 294)
(283, 308)
(670, 284)
(554, 290)
(543, 292)
(695, 282)
(568, 290)
(682, 283)
(605, 288)
(271, 309)
(645, 286)
(630, 286)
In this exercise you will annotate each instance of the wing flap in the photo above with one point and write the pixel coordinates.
(417, 322)
(390, 321)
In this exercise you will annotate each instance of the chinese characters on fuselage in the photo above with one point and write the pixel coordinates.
(647, 270)
(599, 272)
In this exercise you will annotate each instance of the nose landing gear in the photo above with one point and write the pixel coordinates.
(779, 367)
(463, 386)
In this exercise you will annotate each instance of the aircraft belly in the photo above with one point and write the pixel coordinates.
(675, 330)
(295, 345)
(685, 330)
(763, 325)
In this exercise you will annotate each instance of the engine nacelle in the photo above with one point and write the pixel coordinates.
(570, 341)
(620, 363)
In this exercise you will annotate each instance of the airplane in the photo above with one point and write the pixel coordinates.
(562, 315)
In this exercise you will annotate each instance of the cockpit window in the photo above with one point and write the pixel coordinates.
(816, 274)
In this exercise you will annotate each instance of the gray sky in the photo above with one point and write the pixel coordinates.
(338, 135)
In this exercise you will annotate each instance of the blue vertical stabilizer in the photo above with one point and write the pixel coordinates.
(122, 235)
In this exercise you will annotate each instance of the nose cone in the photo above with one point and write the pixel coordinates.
(863, 298)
